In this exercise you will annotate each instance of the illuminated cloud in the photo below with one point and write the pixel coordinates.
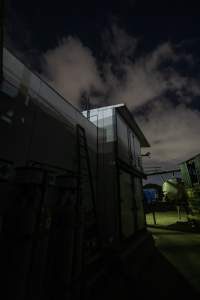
(173, 132)
(72, 70)
(151, 82)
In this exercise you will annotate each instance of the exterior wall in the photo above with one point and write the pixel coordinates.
(120, 194)
(138, 191)
(36, 123)
(32, 129)
(129, 152)
(17, 77)
(107, 189)
(129, 149)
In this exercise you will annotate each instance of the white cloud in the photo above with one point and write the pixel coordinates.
(146, 79)
(119, 44)
(140, 85)
(72, 69)
(173, 133)
(172, 129)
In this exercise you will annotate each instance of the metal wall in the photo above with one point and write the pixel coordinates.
(187, 172)
(36, 122)
(39, 227)
(38, 125)
(129, 149)
(116, 141)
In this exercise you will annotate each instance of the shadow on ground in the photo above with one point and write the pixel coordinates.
(158, 280)
(178, 226)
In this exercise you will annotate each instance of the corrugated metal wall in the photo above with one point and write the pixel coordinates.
(185, 174)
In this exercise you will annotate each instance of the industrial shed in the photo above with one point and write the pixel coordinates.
(70, 185)
(119, 151)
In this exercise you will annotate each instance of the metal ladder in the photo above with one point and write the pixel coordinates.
(84, 168)
(91, 245)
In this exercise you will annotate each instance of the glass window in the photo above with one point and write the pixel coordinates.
(104, 120)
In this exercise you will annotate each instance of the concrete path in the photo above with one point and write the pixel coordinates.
(182, 250)
(165, 218)
(172, 271)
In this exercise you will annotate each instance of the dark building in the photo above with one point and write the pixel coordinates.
(71, 189)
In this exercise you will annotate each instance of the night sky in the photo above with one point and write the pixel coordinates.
(114, 55)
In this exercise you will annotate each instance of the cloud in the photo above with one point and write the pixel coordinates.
(152, 82)
(118, 44)
(151, 76)
(72, 69)
(124, 77)
(173, 132)
(139, 86)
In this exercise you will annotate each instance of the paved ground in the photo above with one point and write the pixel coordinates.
(182, 250)
(173, 271)
(164, 218)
